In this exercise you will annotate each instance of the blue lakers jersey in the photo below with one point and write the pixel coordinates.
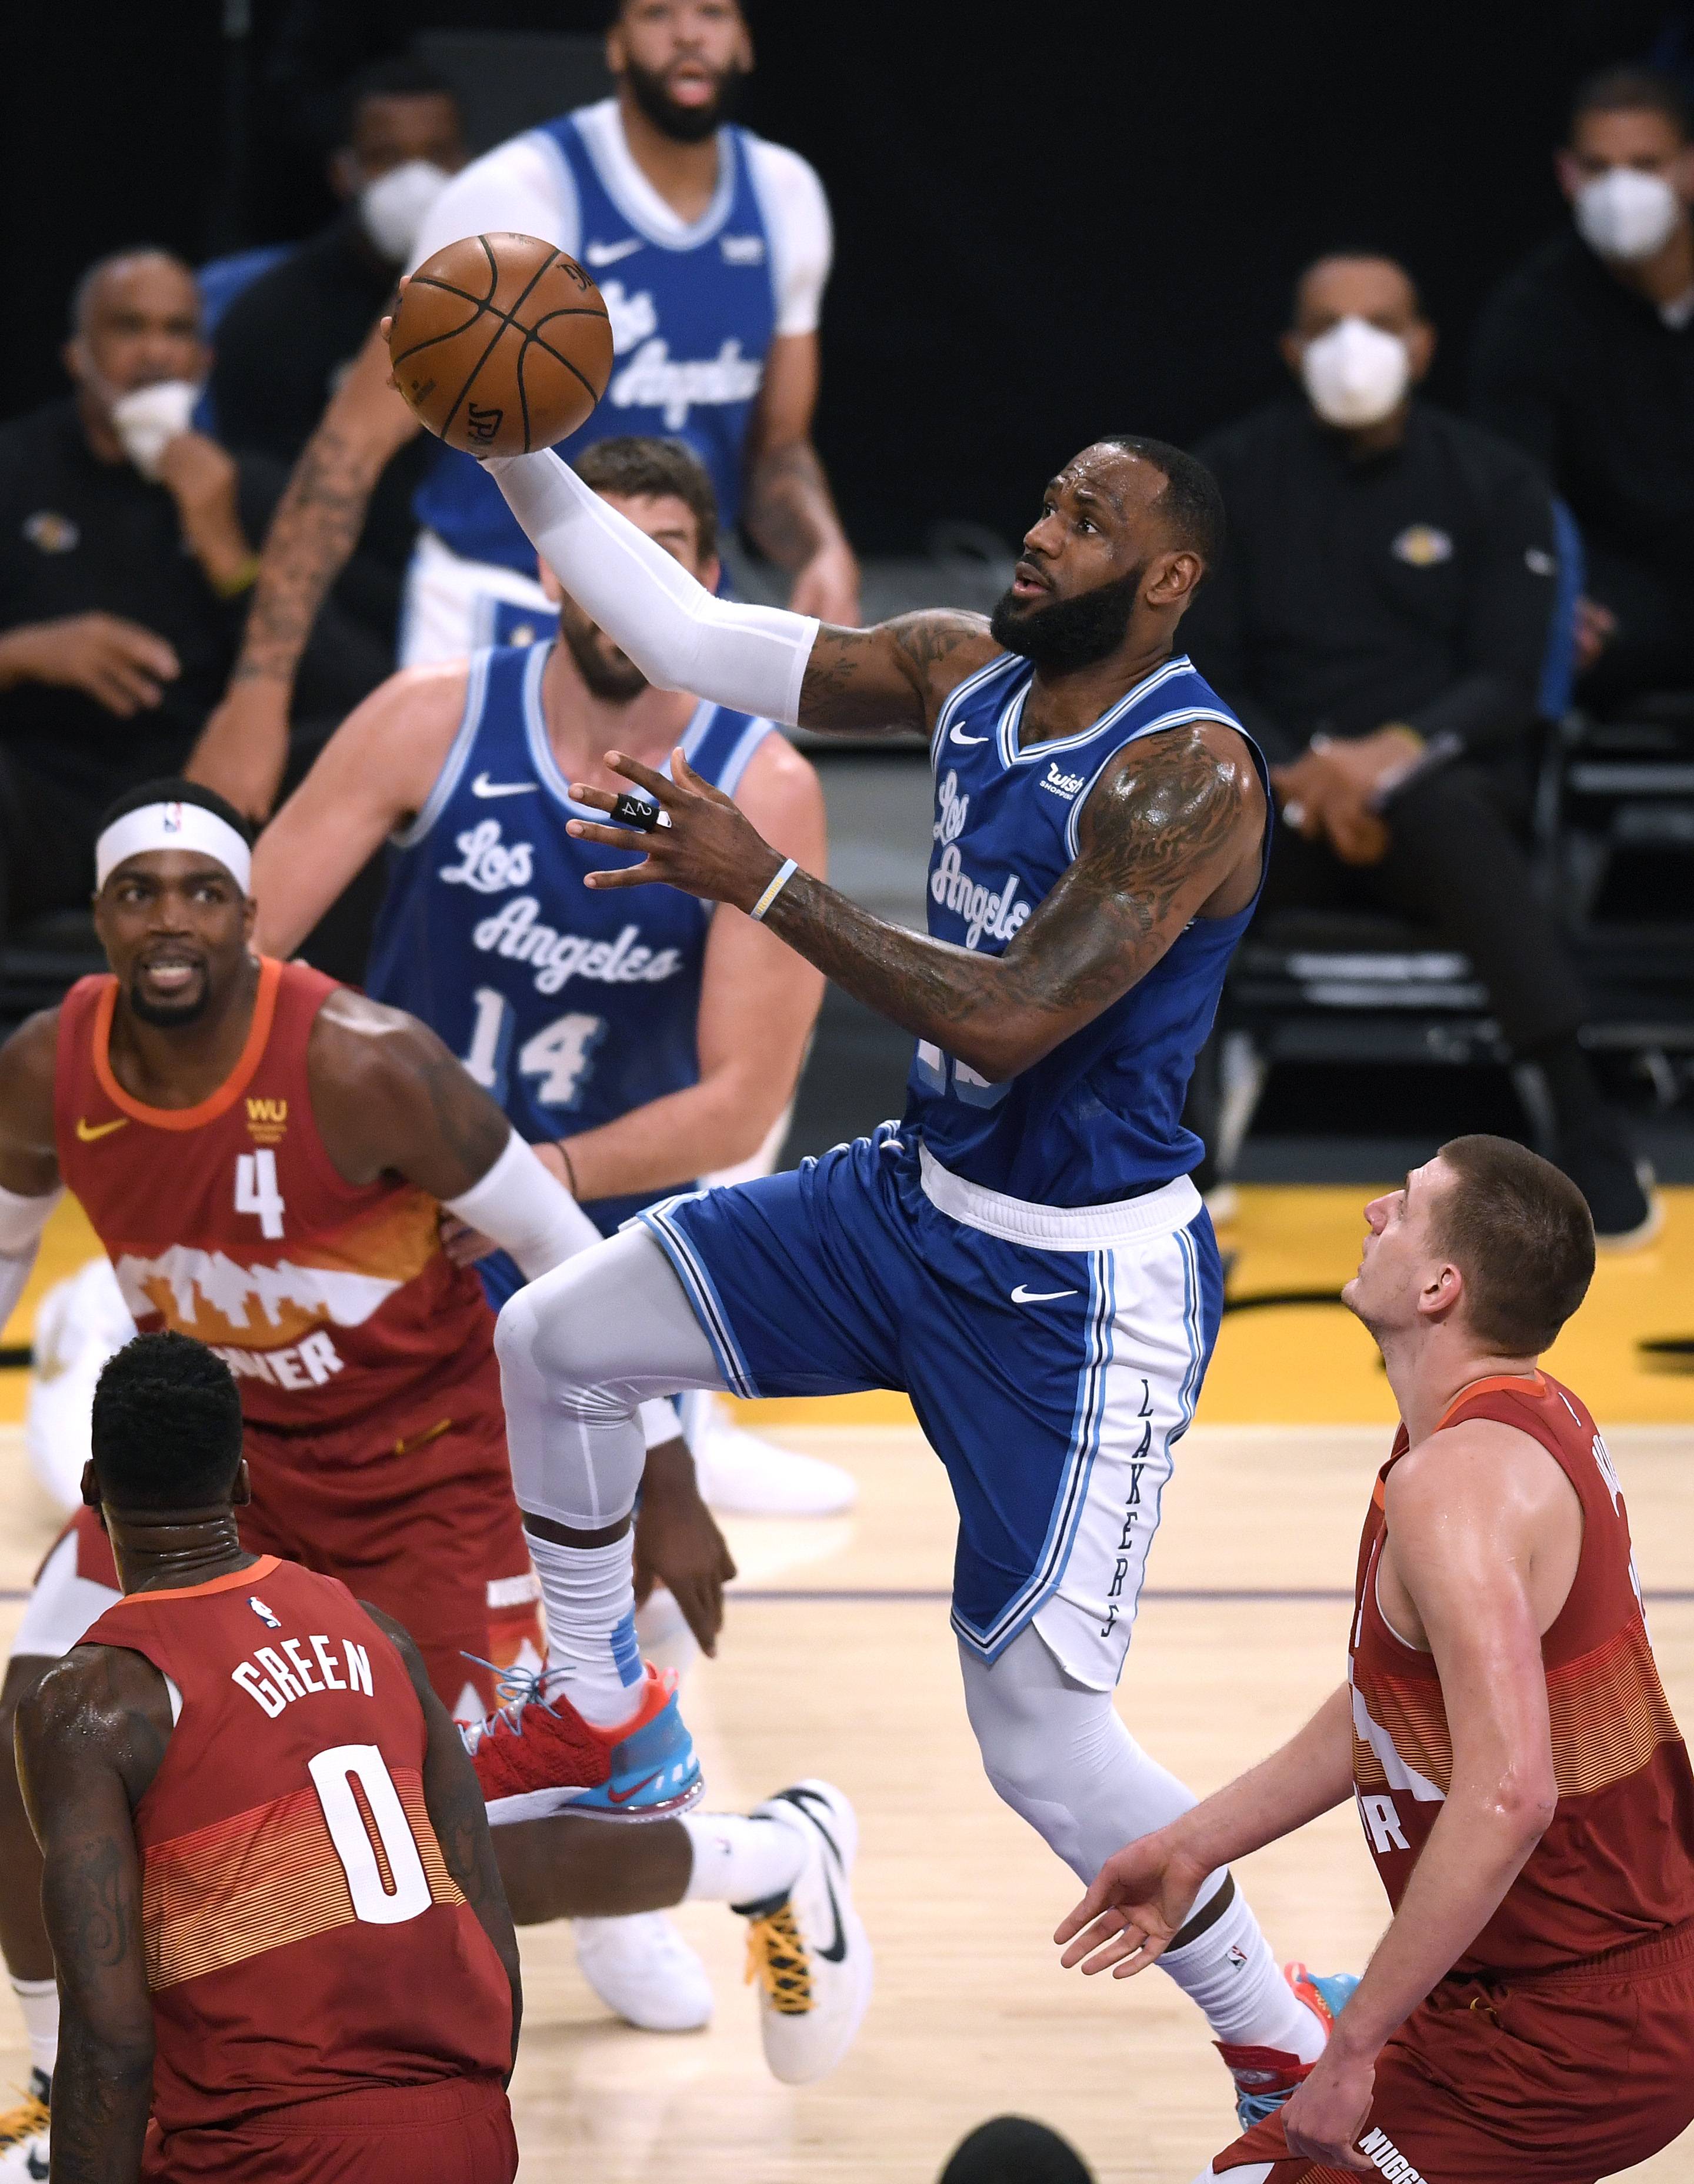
(571, 1006)
(1101, 1117)
(691, 326)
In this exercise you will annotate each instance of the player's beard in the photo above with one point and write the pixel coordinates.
(610, 674)
(685, 124)
(175, 1017)
(1062, 636)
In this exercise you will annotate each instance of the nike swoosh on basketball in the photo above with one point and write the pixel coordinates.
(88, 1131)
(958, 736)
(609, 253)
(1021, 1295)
(482, 786)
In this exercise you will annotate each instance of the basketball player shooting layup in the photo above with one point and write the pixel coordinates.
(1529, 2015)
(268, 1881)
(1025, 1254)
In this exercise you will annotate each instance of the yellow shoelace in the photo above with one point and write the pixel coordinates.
(777, 1960)
(23, 2121)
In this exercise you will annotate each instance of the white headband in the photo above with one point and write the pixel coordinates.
(172, 826)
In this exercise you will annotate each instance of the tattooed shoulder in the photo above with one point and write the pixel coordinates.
(1174, 808)
(894, 677)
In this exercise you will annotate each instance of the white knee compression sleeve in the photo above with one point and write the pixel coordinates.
(676, 633)
(1058, 1754)
(580, 1351)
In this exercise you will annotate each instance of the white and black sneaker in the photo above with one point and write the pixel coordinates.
(24, 2132)
(807, 1948)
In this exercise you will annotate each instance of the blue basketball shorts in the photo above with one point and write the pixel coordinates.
(1053, 1356)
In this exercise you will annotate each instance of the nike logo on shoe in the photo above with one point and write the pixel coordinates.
(482, 786)
(804, 1800)
(622, 1796)
(609, 253)
(958, 736)
(1021, 1295)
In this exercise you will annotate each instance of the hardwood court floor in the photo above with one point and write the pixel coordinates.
(837, 1661)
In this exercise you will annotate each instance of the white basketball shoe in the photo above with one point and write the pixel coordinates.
(807, 1948)
(24, 2133)
(644, 1972)
(742, 1475)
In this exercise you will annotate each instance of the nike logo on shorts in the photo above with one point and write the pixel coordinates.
(1021, 1295)
(88, 1132)
(958, 736)
(609, 253)
(482, 786)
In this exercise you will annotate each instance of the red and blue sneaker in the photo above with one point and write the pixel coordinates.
(1265, 2076)
(537, 1755)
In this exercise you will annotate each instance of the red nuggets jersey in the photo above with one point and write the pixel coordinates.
(227, 1221)
(304, 1938)
(1616, 1866)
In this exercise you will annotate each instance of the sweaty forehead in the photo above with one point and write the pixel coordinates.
(1125, 482)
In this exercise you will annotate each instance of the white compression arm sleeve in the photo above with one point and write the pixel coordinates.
(752, 658)
(21, 1222)
(527, 1210)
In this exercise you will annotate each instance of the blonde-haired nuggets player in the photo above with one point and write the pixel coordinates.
(1528, 2018)
(268, 1878)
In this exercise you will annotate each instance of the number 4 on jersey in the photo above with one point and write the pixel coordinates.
(257, 1192)
(559, 1054)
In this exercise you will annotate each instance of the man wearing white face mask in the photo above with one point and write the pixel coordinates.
(286, 343)
(1381, 622)
(125, 554)
(1584, 357)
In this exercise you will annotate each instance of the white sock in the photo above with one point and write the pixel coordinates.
(38, 1999)
(740, 1859)
(590, 1597)
(1230, 1972)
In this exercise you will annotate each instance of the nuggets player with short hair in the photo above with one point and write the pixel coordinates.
(1525, 1792)
(1025, 1253)
(268, 1880)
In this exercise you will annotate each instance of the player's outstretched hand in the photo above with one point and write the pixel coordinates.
(1139, 1899)
(1323, 2118)
(697, 840)
(678, 1543)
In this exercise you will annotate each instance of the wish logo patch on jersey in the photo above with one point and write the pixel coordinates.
(1057, 782)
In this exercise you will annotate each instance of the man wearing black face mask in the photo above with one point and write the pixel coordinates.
(1381, 624)
(284, 343)
(711, 247)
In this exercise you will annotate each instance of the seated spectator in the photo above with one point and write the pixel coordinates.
(1584, 357)
(126, 552)
(1380, 622)
(285, 342)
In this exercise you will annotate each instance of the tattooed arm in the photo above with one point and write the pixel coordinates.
(89, 1739)
(1173, 830)
(460, 1817)
(789, 509)
(244, 746)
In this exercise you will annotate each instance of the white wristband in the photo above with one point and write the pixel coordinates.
(780, 879)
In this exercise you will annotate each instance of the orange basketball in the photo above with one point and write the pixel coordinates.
(501, 345)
